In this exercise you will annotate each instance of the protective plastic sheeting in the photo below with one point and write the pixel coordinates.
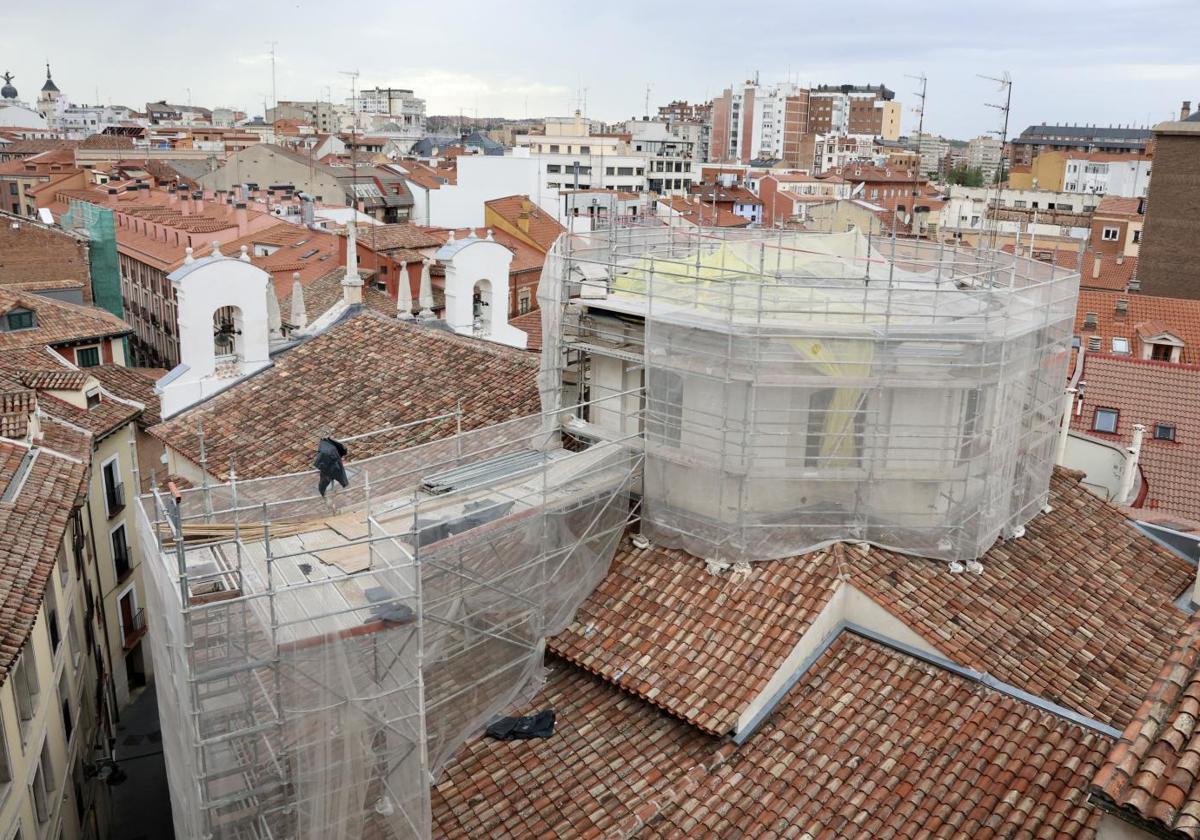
(804, 388)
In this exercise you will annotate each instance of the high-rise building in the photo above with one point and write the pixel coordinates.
(854, 109)
(1167, 253)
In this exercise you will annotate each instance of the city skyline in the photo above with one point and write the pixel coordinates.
(1102, 76)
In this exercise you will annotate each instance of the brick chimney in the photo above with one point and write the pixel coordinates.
(1186, 110)
(198, 202)
(240, 216)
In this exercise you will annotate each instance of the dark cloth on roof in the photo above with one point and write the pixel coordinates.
(523, 728)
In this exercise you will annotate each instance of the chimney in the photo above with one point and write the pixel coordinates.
(198, 202)
(1186, 110)
(523, 218)
(1129, 472)
(239, 215)
(172, 197)
(1096, 267)
(352, 284)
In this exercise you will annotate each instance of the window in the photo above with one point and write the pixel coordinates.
(1161, 352)
(553, 167)
(43, 785)
(64, 700)
(1137, 237)
(1105, 420)
(20, 319)
(523, 298)
(26, 685)
(1164, 431)
(114, 489)
(1110, 234)
(553, 149)
(120, 550)
(93, 398)
(585, 150)
(1120, 345)
(87, 356)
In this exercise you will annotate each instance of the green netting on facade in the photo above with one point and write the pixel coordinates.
(97, 224)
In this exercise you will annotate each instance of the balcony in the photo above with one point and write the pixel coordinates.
(134, 630)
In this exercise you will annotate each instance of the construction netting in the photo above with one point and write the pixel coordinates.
(97, 224)
(805, 388)
(321, 658)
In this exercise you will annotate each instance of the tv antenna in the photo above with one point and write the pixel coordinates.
(274, 98)
(920, 109)
(1005, 82)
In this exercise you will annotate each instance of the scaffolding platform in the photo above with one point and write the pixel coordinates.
(321, 658)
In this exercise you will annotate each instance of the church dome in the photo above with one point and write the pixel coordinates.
(8, 91)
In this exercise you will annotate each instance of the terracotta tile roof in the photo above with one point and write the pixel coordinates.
(1115, 271)
(33, 525)
(324, 293)
(1116, 205)
(384, 238)
(544, 229)
(36, 147)
(297, 250)
(62, 436)
(875, 743)
(56, 322)
(736, 195)
(54, 379)
(135, 384)
(525, 256)
(610, 754)
(106, 417)
(702, 646)
(1150, 393)
(365, 373)
(531, 324)
(701, 214)
(1153, 771)
(1180, 315)
(662, 627)
(870, 742)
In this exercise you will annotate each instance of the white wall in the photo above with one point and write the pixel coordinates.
(480, 178)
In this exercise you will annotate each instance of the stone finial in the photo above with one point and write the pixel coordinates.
(404, 295)
(245, 257)
(489, 235)
(189, 258)
(299, 316)
(426, 297)
(450, 241)
(216, 251)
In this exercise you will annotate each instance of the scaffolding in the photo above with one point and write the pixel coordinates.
(318, 661)
(805, 388)
(96, 223)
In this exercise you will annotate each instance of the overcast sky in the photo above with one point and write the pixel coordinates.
(1103, 61)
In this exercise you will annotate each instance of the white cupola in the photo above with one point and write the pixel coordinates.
(477, 289)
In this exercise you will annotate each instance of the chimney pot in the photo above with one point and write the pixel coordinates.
(1186, 110)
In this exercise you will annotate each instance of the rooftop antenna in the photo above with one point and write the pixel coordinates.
(1005, 82)
(353, 74)
(274, 99)
(920, 109)
(647, 99)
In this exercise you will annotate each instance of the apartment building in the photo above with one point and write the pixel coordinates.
(985, 153)
(72, 597)
(398, 105)
(1037, 139)
(854, 109)
(673, 150)
(572, 154)
(20, 179)
(756, 120)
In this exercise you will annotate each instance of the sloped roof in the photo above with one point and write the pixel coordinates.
(876, 743)
(1180, 315)
(33, 525)
(531, 324)
(136, 384)
(56, 321)
(106, 417)
(544, 229)
(1079, 611)
(1153, 771)
(1150, 392)
(870, 742)
(365, 373)
(384, 238)
(1118, 205)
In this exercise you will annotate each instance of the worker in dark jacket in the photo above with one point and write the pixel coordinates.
(329, 463)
